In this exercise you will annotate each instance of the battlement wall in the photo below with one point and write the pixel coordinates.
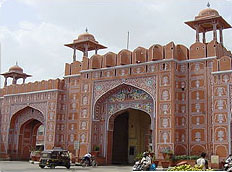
(31, 87)
(155, 52)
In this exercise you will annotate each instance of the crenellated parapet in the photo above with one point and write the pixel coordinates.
(156, 52)
(32, 87)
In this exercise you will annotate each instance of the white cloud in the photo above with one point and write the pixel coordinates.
(37, 47)
(2, 2)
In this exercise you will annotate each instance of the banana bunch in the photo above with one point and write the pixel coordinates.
(187, 167)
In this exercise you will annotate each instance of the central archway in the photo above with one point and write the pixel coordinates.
(110, 108)
(131, 135)
(23, 132)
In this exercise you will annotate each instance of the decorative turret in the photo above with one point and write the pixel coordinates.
(85, 42)
(208, 20)
(16, 73)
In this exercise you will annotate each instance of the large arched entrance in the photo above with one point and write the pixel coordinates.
(23, 132)
(122, 124)
(131, 135)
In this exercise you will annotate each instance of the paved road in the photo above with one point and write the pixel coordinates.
(20, 166)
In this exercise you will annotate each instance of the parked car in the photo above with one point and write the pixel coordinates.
(55, 157)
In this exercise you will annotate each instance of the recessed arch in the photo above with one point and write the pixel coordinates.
(197, 149)
(119, 99)
(180, 150)
(221, 151)
(23, 131)
(129, 135)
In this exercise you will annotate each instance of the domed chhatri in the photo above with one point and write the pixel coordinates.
(208, 20)
(85, 42)
(85, 36)
(16, 68)
(206, 13)
(16, 73)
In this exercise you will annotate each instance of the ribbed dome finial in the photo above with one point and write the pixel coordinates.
(208, 4)
(16, 68)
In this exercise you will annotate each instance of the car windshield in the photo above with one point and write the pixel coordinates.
(46, 155)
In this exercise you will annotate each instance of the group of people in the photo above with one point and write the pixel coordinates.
(145, 164)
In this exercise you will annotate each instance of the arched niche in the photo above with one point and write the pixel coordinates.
(180, 150)
(221, 151)
(197, 150)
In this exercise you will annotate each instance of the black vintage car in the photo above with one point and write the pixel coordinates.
(55, 157)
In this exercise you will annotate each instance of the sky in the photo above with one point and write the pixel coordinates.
(33, 32)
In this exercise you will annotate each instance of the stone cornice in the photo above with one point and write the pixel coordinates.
(71, 76)
(149, 63)
(33, 92)
(221, 72)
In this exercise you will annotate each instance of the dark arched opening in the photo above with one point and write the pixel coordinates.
(23, 133)
(131, 135)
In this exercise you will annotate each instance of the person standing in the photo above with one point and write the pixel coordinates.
(202, 161)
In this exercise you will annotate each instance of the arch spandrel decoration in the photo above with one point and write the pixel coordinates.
(120, 98)
(41, 106)
(147, 84)
(26, 114)
(36, 115)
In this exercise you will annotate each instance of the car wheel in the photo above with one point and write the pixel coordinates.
(52, 166)
(41, 166)
(68, 166)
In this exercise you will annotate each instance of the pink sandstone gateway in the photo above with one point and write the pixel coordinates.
(126, 103)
